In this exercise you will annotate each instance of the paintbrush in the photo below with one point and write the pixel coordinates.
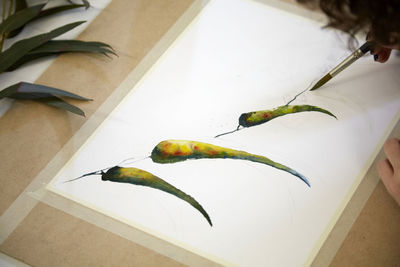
(366, 47)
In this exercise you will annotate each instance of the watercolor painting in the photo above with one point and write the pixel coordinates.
(171, 151)
(259, 117)
(254, 118)
(140, 177)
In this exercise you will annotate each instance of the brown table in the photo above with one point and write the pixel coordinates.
(32, 134)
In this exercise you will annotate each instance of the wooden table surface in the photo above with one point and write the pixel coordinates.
(32, 134)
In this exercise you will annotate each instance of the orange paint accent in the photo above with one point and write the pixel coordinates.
(178, 153)
(213, 152)
(267, 115)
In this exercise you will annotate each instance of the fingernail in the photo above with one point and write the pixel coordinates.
(376, 57)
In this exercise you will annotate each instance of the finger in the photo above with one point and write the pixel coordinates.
(392, 151)
(385, 169)
(385, 172)
(382, 55)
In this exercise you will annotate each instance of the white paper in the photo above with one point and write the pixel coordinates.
(240, 56)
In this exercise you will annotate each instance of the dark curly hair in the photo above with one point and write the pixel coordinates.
(381, 18)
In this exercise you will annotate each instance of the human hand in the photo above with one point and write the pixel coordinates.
(389, 168)
(381, 52)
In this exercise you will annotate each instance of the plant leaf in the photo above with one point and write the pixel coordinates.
(27, 58)
(56, 47)
(19, 5)
(30, 96)
(21, 48)
(20, 18)
(19, 89)
(72, 46)
(63, 46)
(50, 100)
(44, 94)
(57, 9)
(84, 2)
(45, 13)
(57, 102)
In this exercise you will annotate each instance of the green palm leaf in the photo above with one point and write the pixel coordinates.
(73, 46)
(20, 18)
(84, 2)
(45, 13)
(50, 100)
(21, 48)
(22, 88)
(57, 9)
(61, 104)
(45, 94)
(39, 46)
(56, 47)
(19, 5)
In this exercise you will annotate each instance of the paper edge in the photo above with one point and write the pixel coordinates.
(349, 195)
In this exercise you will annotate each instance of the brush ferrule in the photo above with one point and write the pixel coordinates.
(347, 62)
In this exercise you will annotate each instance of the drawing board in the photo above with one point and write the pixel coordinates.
(239, 56)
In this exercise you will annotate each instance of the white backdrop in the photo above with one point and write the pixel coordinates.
(240, 56)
